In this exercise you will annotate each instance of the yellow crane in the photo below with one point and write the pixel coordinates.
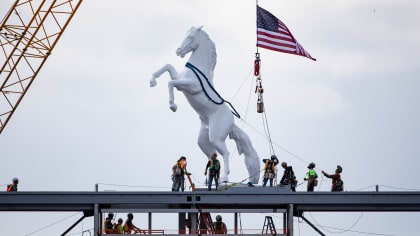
(28, 34)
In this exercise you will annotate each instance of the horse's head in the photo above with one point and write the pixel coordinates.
(190, 43)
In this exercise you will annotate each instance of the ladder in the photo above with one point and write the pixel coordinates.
(206, 223)
(269, 224)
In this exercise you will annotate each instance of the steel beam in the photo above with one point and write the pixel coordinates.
(313, 226)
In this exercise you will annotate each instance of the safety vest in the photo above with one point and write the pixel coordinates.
(312, 173)
(119, 229)
(10, 188)
(219, 228)
(269, 166)
(108, 226)
(180, 164)
(128, 228)
(214, 165)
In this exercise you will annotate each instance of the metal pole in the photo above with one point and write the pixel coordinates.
(284, 223)
(377, 188)
(290, 220)
(181, 223)
(313, 226)
(96, 223)
(193, 223)
(236, 222)
(73, 225)
(150, 222)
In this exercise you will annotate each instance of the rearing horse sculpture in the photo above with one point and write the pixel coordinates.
(217, 121)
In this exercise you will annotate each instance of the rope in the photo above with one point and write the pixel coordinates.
(353, 231)
(235, 183)
(240, 87)
(59, 221)
(407, 189)
(343, 230)
(195, 70)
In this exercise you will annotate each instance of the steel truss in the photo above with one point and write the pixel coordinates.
(28, 34)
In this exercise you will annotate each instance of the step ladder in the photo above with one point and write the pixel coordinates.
(206, 223)
(269, 224)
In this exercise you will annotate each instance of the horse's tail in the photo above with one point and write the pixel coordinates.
(244, 145)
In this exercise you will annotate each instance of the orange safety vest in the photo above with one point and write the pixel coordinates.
(219, 228)
(268, 167)
(108, 230)
(9, 188)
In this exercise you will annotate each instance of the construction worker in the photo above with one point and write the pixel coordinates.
(129, 226)
(109, 226)
(214, 166)
(219, 226)
(178, 172)
(311, 177)
(288, 177)
(337, 183)
(269, 170)
(119, 228)
(14, 186)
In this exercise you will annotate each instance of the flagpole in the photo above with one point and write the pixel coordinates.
(256, 8)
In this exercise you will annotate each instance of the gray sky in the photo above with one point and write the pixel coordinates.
(90, 116)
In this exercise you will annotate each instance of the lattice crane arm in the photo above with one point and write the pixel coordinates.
(28, 34)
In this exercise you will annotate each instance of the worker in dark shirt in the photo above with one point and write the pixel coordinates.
(337, 182)
(129, 226)
(14, 186)
(109, 226)
(214, 166)
(288, 177)
(178, 172)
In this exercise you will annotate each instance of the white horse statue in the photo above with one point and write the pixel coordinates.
(217, 121)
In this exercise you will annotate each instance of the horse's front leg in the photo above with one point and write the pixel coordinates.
(183, 85)
(168, 67)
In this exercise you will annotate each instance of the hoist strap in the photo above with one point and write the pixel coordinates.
(195, 70)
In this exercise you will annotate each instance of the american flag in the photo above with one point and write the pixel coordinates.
(274, 35)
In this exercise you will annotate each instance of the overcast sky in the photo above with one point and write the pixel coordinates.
(90, 116)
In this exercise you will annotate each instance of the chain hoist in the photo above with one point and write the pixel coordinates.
(258, 88)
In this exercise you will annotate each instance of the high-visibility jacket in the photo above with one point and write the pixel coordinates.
(219, 227)
(108, 226)
(118, 229)
(12, 188)
(269, 166)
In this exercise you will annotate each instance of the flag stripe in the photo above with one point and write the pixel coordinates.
(275, 41)
(289, 49)
(275, 35)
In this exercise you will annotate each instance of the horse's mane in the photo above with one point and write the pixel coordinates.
(212, 53)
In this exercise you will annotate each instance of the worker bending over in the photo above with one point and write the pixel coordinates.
(288, 177)
(311, 177)
(109, 226)
(337, 183)
(219, 226)
(269, 170)
(119, 228)
(178, 172)
(129, 226)
(214, 166)
(14, 186)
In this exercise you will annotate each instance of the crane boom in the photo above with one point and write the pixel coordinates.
(28, 34)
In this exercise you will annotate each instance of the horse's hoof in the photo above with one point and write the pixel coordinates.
(153, 83)
(173, 107)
